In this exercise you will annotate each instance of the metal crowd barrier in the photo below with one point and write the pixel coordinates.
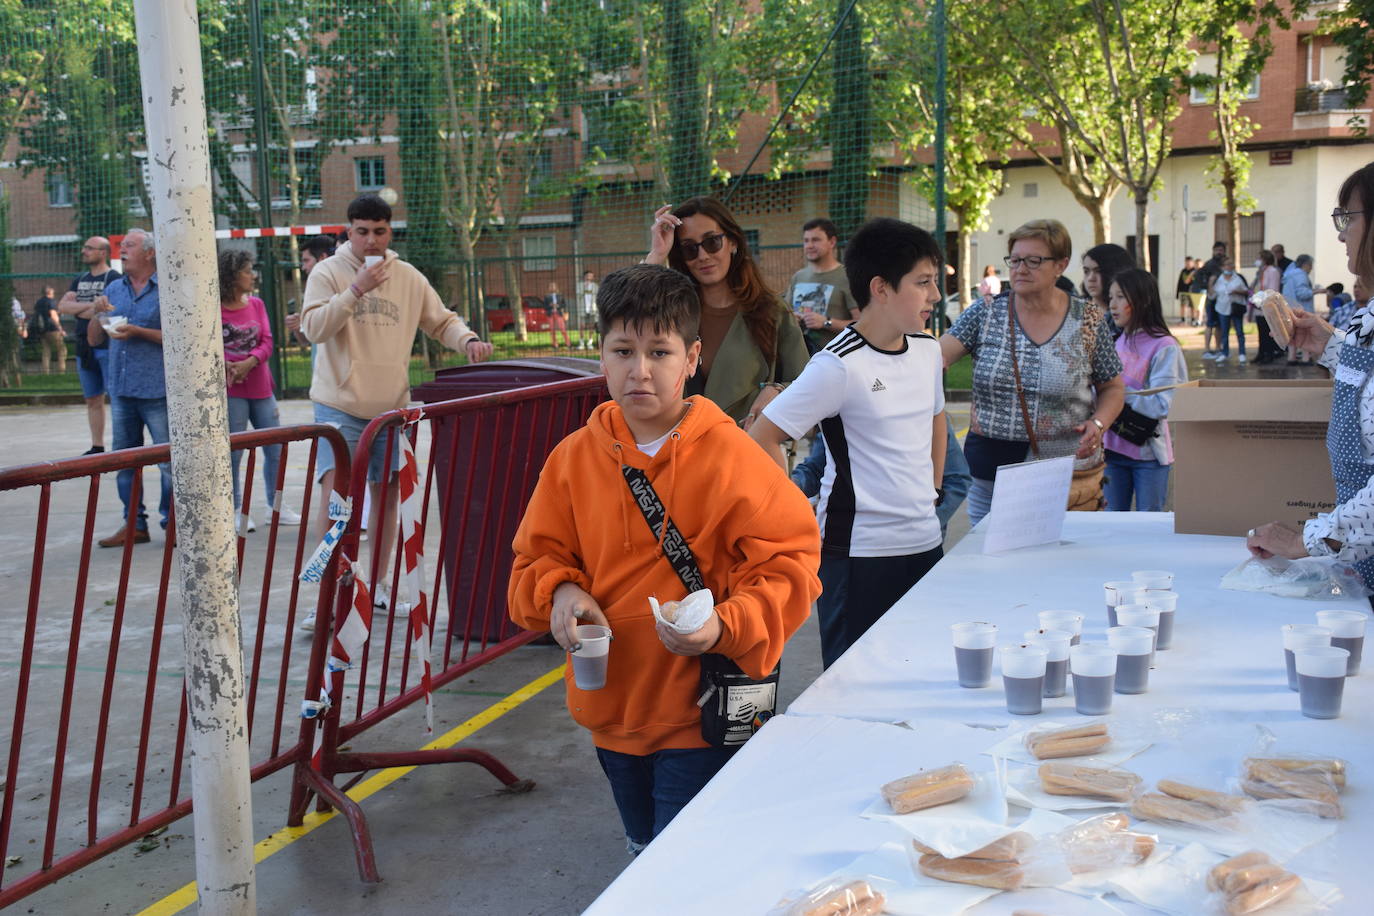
(484, 456)
(109, 765)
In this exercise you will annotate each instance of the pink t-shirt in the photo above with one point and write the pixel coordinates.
(246, 332)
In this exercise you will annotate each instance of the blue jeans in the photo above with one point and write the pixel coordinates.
(352, 429)
(128, 416)
(651, 789)
(979, 500)
(1147, 480)
(93, 380)
(262, 412)
(857, 591)
(1234, 320)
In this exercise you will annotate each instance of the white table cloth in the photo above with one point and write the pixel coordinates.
(785, 811)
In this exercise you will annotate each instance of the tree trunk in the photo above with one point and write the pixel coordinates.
(689, 169)
(513, 296)
(965, 268)
(1228, 188)
(1142, 228)
(1100, 210)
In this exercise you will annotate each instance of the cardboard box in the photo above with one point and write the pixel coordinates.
(1247, 452)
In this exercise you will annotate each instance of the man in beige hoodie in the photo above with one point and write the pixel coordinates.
(362, 307)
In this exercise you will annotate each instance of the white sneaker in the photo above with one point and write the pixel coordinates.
(243, 524)
(1241, 359)
(287, 515)
(381, 596)
(307, 625)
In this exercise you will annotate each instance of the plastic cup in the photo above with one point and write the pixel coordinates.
(1069, 621)
(1132, 645)
(1347, 632)
(1023, 677)
(1056, 643)
(1321, 680)
(371, 260)
(1124, 591)
(1093, 666)
(1300, 636)
(590, 660)
(1166, 603)
(973, 642)
(1160, 579)
(1140, 615)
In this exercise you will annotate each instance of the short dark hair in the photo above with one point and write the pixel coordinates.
(647, 294)
(369, 207)
(321, 246)
(231, 261)
(887, 248)
(822, 224)
(1336, 288)
(1218, 244)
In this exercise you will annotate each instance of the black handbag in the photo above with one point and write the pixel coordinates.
(733, 705)
(1134, 426)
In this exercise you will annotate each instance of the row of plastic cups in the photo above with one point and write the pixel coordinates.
(1319, 657)
(1039, 668)
(1130, 603)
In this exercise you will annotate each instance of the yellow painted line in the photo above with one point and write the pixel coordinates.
(185, 896)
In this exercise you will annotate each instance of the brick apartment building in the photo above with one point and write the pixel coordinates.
(1302, 150)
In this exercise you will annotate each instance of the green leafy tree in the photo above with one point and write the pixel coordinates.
(850, 131)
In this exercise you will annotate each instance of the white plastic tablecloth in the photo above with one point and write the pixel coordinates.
(784, 812)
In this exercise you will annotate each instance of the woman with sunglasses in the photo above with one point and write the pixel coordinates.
(1046, 377)
(750, 346)
(1347, 531)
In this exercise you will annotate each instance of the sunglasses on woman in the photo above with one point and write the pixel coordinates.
(710, 244)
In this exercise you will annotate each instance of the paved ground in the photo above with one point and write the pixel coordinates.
(446, 841)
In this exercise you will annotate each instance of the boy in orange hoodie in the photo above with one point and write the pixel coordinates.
(585, 554)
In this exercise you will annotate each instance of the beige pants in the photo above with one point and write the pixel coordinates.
(54, 342)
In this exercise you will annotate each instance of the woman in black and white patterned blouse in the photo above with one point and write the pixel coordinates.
(1347, 531)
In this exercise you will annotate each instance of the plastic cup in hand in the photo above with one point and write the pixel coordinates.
(1160, 579)
(1121, 592)
(1347, 632)
(1069, 621)
(1140, 615)
(1301, 636)
(1166, 603)
(372, 260)
(1023, 677)
(973, 644)
(1321, 680)
(1132, 645)
(590, 659)
(1056, 644)
(1093, 666)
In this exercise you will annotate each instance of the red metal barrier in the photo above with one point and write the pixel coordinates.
(484, 456)
(116, 738)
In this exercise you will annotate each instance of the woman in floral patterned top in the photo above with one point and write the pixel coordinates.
(1063, 349)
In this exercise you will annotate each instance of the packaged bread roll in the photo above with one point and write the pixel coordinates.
(1059, 777)
(1262, 778)
(1216, 878)
(1262, 896)
(928, 789)
(1333, 767)
(1165, 809)
(856, 898)
(1219, 800)
(1004, 875)
(1277, 313)
(1103, 842)
(1012, 846)
(1068, 742)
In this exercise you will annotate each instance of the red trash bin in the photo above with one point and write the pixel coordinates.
(483, 507)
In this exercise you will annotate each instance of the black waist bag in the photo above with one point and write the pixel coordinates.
(1134, 426)
(733, 705)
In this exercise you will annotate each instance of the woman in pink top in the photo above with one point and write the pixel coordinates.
(1266, 277)
(247, 336)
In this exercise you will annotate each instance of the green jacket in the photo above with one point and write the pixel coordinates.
(739, 368)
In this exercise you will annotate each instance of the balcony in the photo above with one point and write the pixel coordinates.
(1318, 97)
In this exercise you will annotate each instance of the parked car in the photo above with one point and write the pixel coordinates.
(500, 318)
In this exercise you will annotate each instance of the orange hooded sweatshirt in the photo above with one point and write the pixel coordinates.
(751, 530)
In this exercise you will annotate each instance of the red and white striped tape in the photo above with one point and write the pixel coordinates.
(413, 555)
(265, 232)
(348, 641)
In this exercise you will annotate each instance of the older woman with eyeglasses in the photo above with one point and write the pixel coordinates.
(1046, 376)
(1347, 531)
(751, 348)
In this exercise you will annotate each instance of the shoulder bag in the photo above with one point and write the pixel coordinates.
(733, 705)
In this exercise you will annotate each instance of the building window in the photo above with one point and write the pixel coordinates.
(369, 173)
(1251, 238)
(59, 191)
(1030, 189)
(543, 168)
(1206, 65)
(539, 251)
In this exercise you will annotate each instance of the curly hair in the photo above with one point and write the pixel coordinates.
(231, 261)
(758, 303)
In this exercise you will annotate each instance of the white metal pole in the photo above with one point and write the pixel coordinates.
(178, 158)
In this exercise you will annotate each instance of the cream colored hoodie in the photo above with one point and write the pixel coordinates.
(361, 366)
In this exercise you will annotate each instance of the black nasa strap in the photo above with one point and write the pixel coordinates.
(733, 705)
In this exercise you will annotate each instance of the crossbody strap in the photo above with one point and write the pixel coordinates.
(675, 546)
(1016, 374)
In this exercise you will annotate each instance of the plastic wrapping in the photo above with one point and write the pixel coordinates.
(1249, 883)
(1065, 777)
(688, 615)
(1046, 743)
(1300, 783)
(928, 788)
(1309, 577)
(1104, 842)
(1191, 806)
(834, 897)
